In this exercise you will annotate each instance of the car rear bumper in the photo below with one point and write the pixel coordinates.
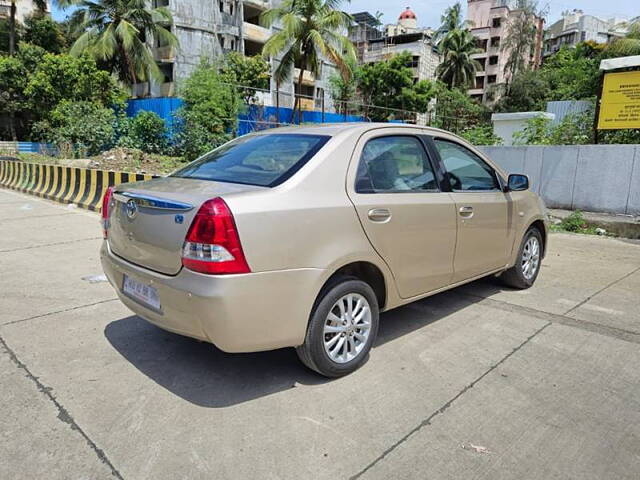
(237, 313)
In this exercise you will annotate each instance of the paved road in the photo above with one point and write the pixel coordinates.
(481, 382)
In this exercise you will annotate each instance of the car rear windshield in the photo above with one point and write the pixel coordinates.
(263, 160)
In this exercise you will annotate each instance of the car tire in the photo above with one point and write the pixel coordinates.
(523, 275)
(337, 341)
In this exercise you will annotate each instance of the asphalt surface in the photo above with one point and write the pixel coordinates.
(478, 383)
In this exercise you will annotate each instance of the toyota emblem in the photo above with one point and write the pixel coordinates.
(132, 209)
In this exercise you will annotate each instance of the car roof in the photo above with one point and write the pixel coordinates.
(333, 129)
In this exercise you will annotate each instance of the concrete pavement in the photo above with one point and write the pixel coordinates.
(480, 382)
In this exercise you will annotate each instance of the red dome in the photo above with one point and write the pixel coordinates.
(408, 13)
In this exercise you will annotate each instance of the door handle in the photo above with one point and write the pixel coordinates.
(466, 212)
(380, 215)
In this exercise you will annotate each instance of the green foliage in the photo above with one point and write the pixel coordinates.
(114, 34)
(5, 33)
(575, 129)
(209, 115)
(450, 20)
(457, 112)
(535, 132)
(251, 72)
(146, 131)
(458, 69)
(570, 74)
(63, 77)
(576, 223)
(311, 30)
(43, 31)
(481, 135)
(626, 46)
(528, 92)
(13, 79)
(343, 90)
(389, 84)
(519, 42)
(85, 125)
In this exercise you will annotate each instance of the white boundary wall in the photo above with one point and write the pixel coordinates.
(595, 178)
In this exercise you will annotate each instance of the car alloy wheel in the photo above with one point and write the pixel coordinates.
(347, 328)
(530, 257)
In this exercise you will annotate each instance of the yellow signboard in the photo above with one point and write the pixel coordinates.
(620, 105)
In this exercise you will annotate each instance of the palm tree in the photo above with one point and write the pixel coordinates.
(625, 46)
(458, 69)
(450, 20)
(115, 33)
(519, 42)
(311, 30)
(40, 5)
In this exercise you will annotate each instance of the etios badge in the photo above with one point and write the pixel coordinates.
(131, 208)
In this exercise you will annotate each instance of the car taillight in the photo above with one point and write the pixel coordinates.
(212, 245)
(106, 200)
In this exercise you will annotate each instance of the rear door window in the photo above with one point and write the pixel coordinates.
(395, 164)
(263, 160)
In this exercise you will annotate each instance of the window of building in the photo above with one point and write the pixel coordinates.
(491, 79)
(479, 82)
(495, 41)
(493, 60)
(496, 22)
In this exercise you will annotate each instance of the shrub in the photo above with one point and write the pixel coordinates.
(209, 116)
(88, 126)
(146, 131)
(481, 135)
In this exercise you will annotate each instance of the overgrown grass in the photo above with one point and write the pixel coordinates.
(576, 223)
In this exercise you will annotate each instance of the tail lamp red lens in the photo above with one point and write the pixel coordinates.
(212, 245)
(106, 204)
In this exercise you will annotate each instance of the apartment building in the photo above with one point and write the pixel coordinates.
(215, 27)
(489, 22)
(575, 27)
(24, 8)
(405, 36)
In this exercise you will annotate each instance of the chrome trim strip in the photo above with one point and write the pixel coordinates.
(148, 201)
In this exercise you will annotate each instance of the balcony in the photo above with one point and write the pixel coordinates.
(308, 78)
(164, 54)
(5, 11)
(255, 33)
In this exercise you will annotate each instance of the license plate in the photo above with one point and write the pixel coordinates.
(146, 294)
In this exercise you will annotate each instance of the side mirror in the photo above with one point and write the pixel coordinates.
(517, 183)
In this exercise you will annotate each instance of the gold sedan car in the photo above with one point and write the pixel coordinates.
(300, 237)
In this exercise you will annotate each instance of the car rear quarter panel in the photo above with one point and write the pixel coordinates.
(308, 222)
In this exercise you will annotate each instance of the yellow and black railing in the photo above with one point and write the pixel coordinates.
(83, 187)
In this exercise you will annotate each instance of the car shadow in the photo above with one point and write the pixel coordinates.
(204, 375)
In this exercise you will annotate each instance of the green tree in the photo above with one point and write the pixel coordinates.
(43, 31)
(310, 31)
(528, 91)
(450, 20)
(13, 80)
(626, 46)
(389, 85)
(458, 69)
(252, 73)
(63, 77)
(209, 114)
(40, 5)
(481, 135)
(519, 42)
(343, 90)
(456, 111)
(115, 33)
(86, 126)
(146, 131)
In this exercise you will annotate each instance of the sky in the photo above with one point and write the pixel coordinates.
(429, 12)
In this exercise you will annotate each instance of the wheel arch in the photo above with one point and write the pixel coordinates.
(539, 225)
(362, 270)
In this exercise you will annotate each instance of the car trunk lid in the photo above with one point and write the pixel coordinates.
(149, 220)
